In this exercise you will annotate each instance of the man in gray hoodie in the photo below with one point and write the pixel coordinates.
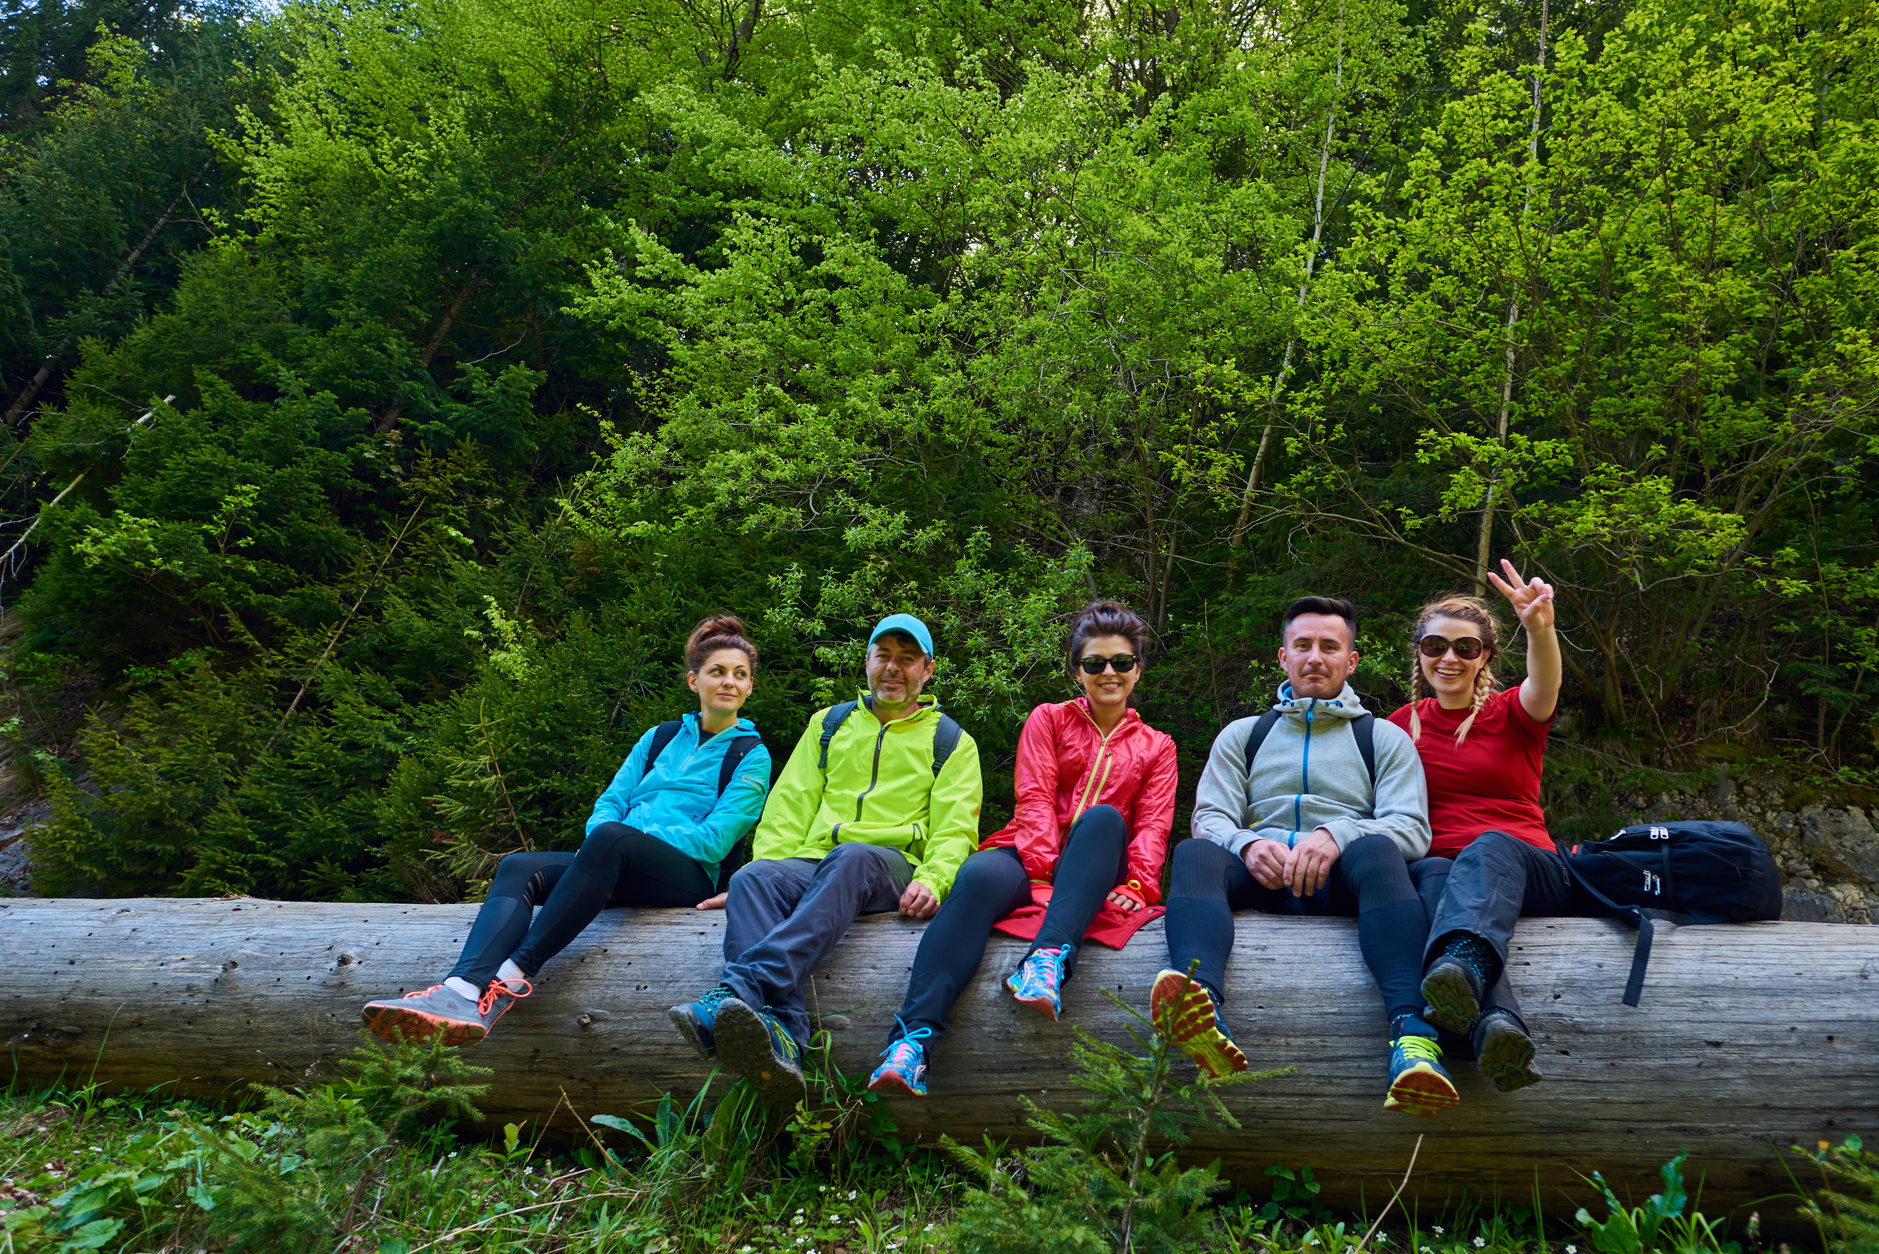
(1321, 817)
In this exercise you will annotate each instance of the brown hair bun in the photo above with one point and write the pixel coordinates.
(714, 632)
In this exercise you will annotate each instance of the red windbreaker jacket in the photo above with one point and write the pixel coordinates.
(1065, 766)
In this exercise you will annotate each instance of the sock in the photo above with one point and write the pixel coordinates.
(1475, 954)
(509, 971)
(458, 984)
(1410, 1025)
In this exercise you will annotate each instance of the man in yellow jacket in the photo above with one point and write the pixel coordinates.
(876, 809)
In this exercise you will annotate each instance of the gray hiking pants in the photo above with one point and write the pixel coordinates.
(785, 914)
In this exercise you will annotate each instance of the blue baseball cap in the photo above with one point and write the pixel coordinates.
(906, 623)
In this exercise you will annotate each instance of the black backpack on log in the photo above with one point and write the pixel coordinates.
(1682, 872)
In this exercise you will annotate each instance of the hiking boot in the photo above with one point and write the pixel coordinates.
(1504, 1051)
(697, 1021)
(904, 1072)
(1038, 982)
(441, 1011)
(1418, 1084)
(1452, 991)
(756, 1045)
(1184, 1011)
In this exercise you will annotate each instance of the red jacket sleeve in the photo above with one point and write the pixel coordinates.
(1034, 816)
(1153, 820)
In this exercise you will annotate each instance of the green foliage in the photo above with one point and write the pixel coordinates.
(1846, 1208)
(1659, 1224)
(502, 342)
(1105, 1179)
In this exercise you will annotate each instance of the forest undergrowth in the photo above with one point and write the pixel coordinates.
(387, 1154)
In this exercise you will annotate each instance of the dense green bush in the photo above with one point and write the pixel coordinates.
(502, 343)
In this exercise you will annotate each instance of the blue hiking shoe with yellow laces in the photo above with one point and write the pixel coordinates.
(755, 1044)
(697, 1021)
(1038, 982)
(1418, 1084)
(904, 1072)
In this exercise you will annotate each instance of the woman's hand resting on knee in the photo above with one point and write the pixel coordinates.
(712, 903)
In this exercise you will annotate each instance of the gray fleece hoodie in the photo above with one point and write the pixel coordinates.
(1308, 774)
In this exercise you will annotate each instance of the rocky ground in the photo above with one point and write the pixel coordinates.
(16, 877)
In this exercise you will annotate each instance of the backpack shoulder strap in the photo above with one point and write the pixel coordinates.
(830, 722)
(661, 737)
(945, 740)
(1633, 915)
(734, 758)
(1364, 728)
(1257, 736)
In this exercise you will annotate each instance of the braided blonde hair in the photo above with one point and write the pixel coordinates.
(1469, 610)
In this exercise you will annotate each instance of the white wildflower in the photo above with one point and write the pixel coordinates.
(851, 1195)
(1572, 1249)
(1480, 1242)
(1439, 1230)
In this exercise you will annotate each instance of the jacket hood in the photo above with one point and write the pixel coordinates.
(1346, 704)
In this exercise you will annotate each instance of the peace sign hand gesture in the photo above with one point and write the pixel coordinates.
(1532, 600)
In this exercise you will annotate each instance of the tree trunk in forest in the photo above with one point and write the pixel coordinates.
(1751, 1038)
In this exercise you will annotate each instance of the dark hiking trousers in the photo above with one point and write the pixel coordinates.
(616, 864)
(785, 914)
(1369, 882)
(992, 884)
(1495, 881)
(1430, 876)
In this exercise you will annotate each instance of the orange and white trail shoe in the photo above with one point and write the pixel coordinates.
(1184, 1011)
(442, 1011)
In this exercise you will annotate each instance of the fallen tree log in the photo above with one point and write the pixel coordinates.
(1750, 1039)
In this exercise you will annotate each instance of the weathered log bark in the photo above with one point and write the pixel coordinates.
(1750, 1039)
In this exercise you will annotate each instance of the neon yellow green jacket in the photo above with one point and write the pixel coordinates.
(879, 790)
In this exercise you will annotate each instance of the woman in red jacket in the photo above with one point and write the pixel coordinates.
(1081, 856)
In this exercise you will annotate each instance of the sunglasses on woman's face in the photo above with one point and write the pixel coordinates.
(1123, 662)
(1467, 648)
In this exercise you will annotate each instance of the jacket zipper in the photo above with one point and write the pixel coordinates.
(1094, 788)
(1304, 770)
(875, 777)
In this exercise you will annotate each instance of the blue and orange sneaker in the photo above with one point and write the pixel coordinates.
(697, 1021)
(1184, 1011)
(1418, 1084)
(1038, 982)
(756, 1045)
(904, 1072)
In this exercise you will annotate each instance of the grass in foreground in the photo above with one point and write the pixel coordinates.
(384, 1158)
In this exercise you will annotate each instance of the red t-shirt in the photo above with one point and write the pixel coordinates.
(1491, 781)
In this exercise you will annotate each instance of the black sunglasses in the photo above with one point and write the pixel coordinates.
(1467, 648)
(1123, 662)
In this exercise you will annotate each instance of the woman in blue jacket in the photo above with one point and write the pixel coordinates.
(655, 838)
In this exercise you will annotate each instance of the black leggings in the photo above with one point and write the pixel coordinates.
(1369, 882)
(992, 884)
(617, 864)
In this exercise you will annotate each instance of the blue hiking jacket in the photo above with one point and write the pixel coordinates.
(676, 798)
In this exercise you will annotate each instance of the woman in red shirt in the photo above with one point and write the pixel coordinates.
(1482, 749)
(1080, 859)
